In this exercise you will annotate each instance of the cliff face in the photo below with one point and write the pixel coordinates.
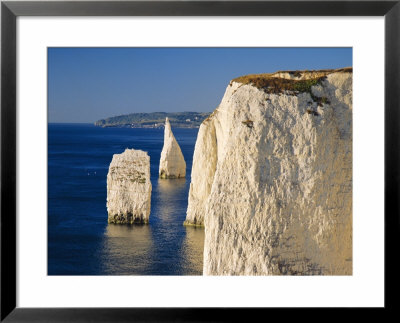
(172, 163)
(129, 187)
(272, 176)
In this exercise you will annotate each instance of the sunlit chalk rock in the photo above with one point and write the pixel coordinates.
(129, 187)
(272, 176)
(172, 163)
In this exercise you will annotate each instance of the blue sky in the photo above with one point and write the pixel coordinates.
(88, 84)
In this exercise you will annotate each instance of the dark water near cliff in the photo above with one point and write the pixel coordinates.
(80, 242)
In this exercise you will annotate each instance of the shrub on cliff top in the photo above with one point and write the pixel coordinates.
(272, 84)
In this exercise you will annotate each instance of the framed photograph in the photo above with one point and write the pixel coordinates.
(187, 160)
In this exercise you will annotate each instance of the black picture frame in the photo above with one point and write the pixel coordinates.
(10, 10)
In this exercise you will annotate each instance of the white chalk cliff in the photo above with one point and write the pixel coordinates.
(172, 163)
(129, 187)
(272, 176)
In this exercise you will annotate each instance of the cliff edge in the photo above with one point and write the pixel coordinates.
(272, 176)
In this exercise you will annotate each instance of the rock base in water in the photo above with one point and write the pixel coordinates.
(194, 224)
(127, 219)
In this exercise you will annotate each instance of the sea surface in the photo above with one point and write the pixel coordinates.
(81, 242)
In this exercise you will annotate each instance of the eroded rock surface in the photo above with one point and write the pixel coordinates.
(129, 187)
(272, 176)
(172, 163)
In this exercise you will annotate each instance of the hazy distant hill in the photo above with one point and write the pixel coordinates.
(155, 120)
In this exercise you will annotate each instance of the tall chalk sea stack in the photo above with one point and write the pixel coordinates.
(129, 187)
(172, 163)
(272, 176)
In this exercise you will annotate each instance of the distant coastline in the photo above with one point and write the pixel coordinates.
(155, 120)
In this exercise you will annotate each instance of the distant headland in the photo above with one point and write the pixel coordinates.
(155, 120)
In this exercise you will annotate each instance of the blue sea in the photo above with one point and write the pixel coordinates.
(81, 242)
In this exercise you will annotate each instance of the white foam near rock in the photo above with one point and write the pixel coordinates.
(172, 162)
(272, 180)
(129, 187)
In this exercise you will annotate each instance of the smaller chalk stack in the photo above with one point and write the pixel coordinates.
(172, 163)
(129, 188)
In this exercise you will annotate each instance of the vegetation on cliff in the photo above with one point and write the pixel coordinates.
(302, 81)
